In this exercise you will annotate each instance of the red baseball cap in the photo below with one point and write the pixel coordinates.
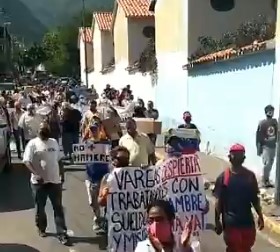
(237, 148)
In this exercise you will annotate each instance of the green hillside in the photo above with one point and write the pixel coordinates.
(56, 12)
(30, 19)
(23, 22)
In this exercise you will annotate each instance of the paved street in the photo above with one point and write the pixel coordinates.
(18, 234)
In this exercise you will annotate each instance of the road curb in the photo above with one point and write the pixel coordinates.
(271, 226)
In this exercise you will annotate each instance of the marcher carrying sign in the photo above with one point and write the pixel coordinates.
(90, 152)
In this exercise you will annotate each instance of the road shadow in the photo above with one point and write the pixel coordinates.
(16, 248)
(100, 241)
(15, 191)
(69, 169)
(210, 226)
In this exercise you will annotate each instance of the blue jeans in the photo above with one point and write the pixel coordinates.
(268, 156)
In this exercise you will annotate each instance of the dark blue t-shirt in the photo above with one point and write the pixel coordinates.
(96, 171)
(237, 198)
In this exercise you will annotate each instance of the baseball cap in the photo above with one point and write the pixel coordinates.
(237, 148)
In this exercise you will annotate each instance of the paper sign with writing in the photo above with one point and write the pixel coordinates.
(131, 190)
(89, 153)
(178, 179)
(182, 178)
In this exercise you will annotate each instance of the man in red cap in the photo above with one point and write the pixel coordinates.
(236, 190)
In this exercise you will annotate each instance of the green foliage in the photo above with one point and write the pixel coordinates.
(60, 46)
(259, 29)
(32, 57)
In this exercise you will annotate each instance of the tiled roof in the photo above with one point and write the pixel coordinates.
(104, 20)
(86, 34)
(136, 8)
(227, 54)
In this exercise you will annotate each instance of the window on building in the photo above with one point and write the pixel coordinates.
(149, 31)
(1, 48)
(274, 4)
(222, 5)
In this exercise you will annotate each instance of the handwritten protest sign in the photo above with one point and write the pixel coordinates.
(89, 152)
(177, 179)
(131, 190)
(182, 178)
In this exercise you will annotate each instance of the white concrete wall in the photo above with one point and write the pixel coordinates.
(82, 61)
(141, 85)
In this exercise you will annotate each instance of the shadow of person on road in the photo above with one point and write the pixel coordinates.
(76, 169)
(210, 227)
(11, 247)
(15, 191)
(101, 241)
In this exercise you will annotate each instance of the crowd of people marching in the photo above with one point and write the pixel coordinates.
(39, 117)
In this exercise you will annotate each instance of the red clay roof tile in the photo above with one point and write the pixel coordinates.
(86, 34)
(136, 8)
(226, 54)
(104, 20)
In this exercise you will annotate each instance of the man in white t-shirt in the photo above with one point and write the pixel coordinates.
(42, 157)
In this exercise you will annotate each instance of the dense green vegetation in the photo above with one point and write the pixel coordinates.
(54, 26)
(58, 50)
(32, 18)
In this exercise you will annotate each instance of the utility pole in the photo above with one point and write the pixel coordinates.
(7, 44)
(277, 179)
(85, 40)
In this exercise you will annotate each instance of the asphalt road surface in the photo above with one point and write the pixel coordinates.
(18, 233)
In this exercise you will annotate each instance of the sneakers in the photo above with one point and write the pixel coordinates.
(267, 184)
(95, 224)
(63, 239)
(42, 233)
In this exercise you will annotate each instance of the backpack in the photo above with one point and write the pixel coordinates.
(226, 177)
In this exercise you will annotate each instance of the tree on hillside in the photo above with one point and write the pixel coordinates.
(32, 57)
(61, 47)
(55, 52)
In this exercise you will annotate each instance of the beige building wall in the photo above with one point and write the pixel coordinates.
(205, 21)
(107, 47)
(171, 32)
(278, 25)
(97, 48)
(120, 36)
(137, 42)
